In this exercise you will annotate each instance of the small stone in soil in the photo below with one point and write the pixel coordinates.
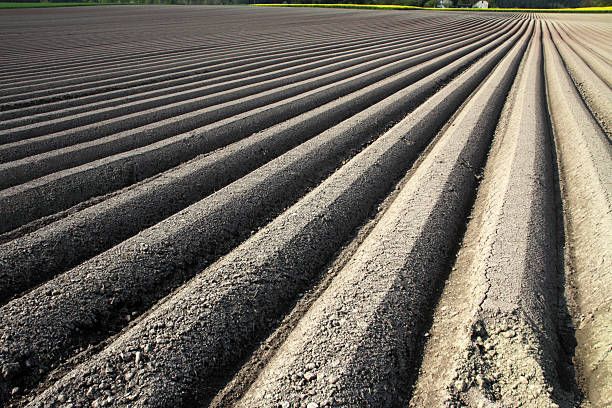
(460, 385)
(508, 334)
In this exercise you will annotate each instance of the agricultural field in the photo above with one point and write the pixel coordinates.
(304, 207)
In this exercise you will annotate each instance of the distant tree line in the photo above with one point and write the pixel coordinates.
(417, 3)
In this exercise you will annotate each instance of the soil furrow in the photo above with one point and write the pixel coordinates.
(274, 45)
(141, 65)
(35, 257)
(171, 96)
(595, 62)
(503, 291)
(88, 88)
(267, 48)
(596, 93)
(282, 207)
(102, 176)
(192, 81)
(160, 257)
(301, 241)
(103, 89)
(227, 60)
(585, 165)
(213, 41)
(359, 341)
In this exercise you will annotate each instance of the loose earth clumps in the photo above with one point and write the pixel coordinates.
(223, 206)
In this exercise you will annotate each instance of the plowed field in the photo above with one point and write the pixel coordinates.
(270, 207)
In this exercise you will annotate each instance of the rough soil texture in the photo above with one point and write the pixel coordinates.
(232, 206)
(495, 336)
(585, 154)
